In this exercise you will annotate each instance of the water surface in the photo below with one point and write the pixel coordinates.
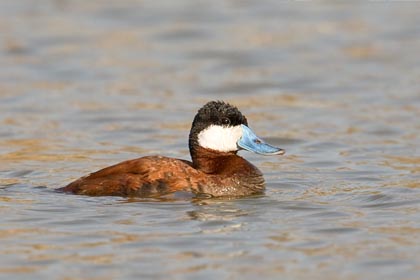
(86, 84)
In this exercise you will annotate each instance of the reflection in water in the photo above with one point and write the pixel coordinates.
(85, 85)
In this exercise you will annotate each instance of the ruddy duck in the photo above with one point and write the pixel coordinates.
(218, 132)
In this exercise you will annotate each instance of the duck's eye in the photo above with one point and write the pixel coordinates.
(225, 121)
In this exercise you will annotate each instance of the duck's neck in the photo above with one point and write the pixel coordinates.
(212, 162)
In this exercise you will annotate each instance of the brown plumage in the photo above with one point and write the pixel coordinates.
(156, 176)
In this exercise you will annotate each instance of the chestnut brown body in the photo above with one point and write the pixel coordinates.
(213, 173)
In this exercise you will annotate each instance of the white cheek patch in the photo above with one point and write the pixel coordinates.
(220, 138)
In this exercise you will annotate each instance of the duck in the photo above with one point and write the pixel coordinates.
(218, 131)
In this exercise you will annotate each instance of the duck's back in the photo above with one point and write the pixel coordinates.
(146, 176)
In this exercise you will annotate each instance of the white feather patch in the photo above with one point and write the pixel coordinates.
(220, 138)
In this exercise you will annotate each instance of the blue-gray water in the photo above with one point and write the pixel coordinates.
(86, 84)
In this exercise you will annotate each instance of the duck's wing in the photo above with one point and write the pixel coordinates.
(145, 177)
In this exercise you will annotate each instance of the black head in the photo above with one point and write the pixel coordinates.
(217, 113)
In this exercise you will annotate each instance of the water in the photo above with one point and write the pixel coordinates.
(86, 84)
